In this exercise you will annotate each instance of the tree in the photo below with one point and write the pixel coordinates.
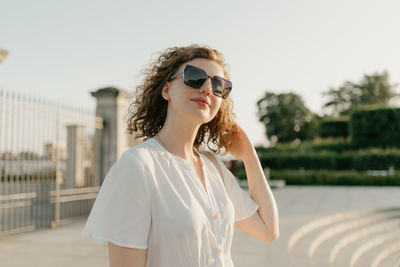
(373, 89)
(286, 118)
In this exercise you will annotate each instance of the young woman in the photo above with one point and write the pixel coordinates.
(165, 203)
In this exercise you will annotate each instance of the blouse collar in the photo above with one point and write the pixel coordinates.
(172, 156)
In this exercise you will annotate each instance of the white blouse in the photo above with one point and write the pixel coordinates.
(151, 199)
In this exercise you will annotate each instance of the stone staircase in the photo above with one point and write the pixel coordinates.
(367, 238)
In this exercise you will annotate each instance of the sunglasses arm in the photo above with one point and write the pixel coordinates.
(175, 75)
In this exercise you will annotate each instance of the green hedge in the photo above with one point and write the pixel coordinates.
(334, 128)
(379, 127)
(327, 177)
(324, 177)
(368, 159)
(318, 144)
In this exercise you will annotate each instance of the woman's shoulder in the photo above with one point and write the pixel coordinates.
(135, 162)
(141, 153)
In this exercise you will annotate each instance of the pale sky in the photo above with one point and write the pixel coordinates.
(63, 50)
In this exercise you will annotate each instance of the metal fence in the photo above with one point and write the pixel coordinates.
(47, 163)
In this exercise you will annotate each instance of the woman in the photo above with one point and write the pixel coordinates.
(163, 203)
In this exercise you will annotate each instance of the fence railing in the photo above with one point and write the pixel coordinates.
(47, 172)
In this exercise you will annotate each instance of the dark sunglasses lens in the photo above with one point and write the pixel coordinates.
(221, 87)
(194, 77)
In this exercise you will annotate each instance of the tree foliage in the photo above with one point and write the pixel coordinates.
(373, 89)
(286, 118)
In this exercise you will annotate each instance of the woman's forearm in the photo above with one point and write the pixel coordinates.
(261, 193)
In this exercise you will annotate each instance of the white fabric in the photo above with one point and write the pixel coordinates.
(153, 199)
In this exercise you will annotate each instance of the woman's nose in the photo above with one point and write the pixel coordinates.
(206, 87)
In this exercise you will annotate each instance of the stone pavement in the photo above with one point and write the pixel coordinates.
(298, 205)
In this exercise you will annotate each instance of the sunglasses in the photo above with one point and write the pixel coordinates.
(195, 78)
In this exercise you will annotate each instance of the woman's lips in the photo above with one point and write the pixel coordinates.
(201, 103)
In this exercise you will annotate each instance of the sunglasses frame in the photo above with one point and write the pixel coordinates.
(229, 83)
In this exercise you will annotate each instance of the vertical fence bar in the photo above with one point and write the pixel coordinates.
(19, 167)
(8, 158)
(29, 159)
(56, 221)
(2, 162)
(37, 208)
(12, 160)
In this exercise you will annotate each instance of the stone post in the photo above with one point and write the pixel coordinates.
(111, 105)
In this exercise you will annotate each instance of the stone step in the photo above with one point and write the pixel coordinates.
(342, 250)
(321, 257)
(325, 221)
(375, 250)
(322, 240)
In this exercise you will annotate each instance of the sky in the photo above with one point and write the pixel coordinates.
(63, 50)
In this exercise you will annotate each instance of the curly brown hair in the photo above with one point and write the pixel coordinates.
(147, 112)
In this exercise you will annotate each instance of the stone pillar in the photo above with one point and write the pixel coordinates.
(111, 105)
(75, 146)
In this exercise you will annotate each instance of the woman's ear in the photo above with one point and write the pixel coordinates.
(165, 90)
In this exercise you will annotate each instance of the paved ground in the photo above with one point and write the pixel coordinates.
(297, 205)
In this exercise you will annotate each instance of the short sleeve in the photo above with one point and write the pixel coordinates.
(243, 204)
(121, 213)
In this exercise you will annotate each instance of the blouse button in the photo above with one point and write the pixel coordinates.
(219, 251)
(215, 215)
